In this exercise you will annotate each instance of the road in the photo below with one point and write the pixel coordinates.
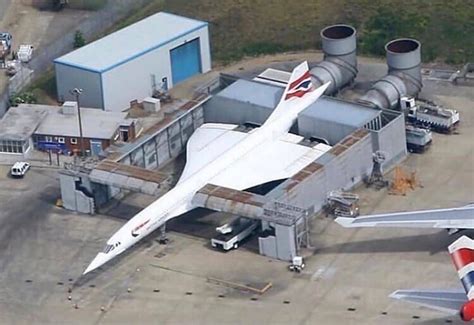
(4, 4)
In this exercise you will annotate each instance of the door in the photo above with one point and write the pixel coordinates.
(96, 147)
(185, 61)
(124, 134)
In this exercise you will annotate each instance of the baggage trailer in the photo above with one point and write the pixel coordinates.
(418, 139)
(232, 234)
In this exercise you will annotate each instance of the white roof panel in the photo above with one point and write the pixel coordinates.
(130, 42)
(96, 123)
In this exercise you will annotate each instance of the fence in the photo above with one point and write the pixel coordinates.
(4, 101)
(91, 28)
(20, 80)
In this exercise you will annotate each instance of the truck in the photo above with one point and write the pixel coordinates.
(25, 52)
(233, 233)
(5, 46)
(418, 139)
(429, 115)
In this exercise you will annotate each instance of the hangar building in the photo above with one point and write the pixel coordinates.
(130, 64)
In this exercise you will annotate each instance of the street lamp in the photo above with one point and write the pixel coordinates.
(77, 92)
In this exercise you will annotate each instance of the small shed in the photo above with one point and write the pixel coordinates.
(155, 53)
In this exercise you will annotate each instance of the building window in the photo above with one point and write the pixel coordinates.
(11, 146)
(48, 138)
(60, 140)
(73, 140)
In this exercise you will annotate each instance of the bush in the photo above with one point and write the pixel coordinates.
(23, 98)
(79, 40)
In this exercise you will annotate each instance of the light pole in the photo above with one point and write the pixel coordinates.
(77, 92)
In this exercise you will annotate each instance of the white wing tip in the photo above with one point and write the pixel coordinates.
(398, 294)
(346, 222)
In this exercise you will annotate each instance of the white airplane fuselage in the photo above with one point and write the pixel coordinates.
(178, 200)
(298, 95)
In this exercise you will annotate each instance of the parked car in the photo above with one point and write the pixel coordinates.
(19, 169)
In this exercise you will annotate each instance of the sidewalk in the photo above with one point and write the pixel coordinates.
(38, 159)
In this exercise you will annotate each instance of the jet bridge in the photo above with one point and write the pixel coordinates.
(88, 186)
(285, 226)
(128, 177)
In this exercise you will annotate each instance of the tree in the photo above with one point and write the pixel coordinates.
(79, 40)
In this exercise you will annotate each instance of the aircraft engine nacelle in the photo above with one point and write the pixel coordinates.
(467, 311)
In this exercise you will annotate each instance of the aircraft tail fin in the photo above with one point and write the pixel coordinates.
(299, 83)
(299, 92)
(462, 254)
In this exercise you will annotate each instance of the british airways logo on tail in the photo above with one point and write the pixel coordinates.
(462, 254)
(300, 86)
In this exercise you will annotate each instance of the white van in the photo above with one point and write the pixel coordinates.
(19, 169)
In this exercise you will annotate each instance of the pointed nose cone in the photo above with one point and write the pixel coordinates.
(98, 261)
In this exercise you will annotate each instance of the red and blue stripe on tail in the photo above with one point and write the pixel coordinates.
(462, 254)
(300, 86)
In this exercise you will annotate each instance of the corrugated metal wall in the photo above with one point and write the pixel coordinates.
(68, 78)
(166, 144)
(391, 139)
(343, 167)
(332, 131)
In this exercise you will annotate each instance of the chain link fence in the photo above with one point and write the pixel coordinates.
(90, 28)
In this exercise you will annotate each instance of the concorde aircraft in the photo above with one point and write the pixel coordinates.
(456, 301)
(218, 154)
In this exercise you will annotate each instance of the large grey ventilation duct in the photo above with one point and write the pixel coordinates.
(340, 62)
(403, 78)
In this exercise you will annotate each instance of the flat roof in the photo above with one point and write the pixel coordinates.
(96, 123)
(340, 111)
(19, 123)
(131, 42)
(252, 92)
(325, 108)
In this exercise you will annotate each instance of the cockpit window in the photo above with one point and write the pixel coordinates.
(108, 248)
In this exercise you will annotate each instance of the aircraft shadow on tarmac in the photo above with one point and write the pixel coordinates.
(433, 243)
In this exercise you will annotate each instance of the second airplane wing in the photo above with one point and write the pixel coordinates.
(447, 301)
(453, 218)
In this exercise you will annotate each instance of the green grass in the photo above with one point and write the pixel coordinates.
(253, 27)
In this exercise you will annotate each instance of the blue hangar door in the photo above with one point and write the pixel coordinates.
(185, 61)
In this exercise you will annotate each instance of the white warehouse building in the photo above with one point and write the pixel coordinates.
(155, 53)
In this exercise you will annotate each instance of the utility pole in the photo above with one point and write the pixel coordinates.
(77, 92)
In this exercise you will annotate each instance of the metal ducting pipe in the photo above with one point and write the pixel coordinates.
(340, 62)
(403, 78)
